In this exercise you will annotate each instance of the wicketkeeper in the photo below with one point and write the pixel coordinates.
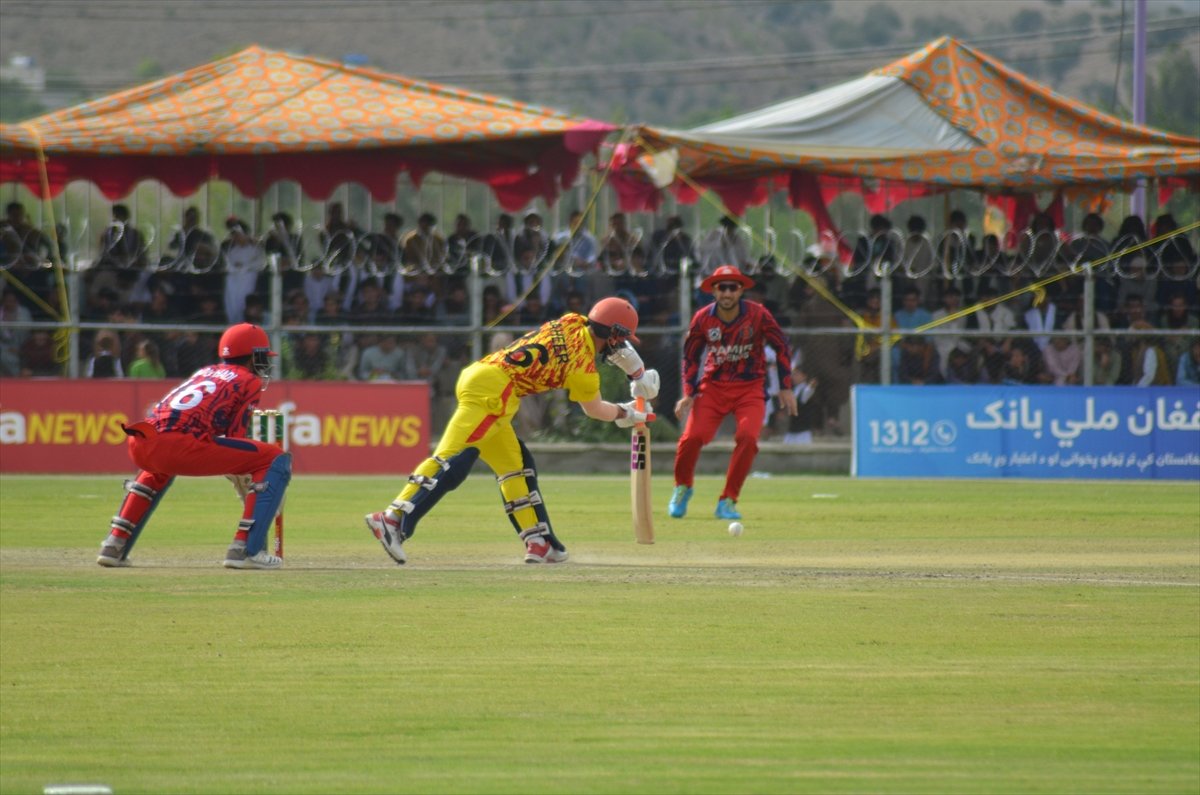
(561, 354)
(200, 428)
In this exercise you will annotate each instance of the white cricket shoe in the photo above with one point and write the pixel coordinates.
(387, 530)
(538, 550)
(112, 552)
(236, 558)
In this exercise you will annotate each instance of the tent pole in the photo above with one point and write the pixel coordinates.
(1138, 207)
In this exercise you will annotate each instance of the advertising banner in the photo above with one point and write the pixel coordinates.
(61, 425)
(1027, 432)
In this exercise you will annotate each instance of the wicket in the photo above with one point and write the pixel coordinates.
(270, 426)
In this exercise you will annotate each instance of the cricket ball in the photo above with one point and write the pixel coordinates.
(735, 529)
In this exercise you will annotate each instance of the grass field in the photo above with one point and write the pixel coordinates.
(923, 637)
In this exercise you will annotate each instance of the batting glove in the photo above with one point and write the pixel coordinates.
(646, 386)
(626, 358)
(632, 416)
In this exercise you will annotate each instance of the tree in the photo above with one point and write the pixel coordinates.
(1028, 20)
(17, 103)
(1172, 99)
(880, 24)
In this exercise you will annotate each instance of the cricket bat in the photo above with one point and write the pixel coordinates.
(639, 481)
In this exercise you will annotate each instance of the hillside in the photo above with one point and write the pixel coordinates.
(673, 62)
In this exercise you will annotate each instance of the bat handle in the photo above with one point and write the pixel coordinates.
(640, 404)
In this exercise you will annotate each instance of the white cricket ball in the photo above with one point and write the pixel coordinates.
(735, 529)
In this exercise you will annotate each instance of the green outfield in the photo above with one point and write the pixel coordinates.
(861, 636)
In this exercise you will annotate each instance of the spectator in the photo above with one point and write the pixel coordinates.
(1038, 246)
(497, 246)
(530, 248)
(962, 368)
(1188, 371)
(917, 362)
(191, 244)
(39, 355)
(577, 251)
(244, 261)
(11, 339)
(1106, 363)
(1063, 358)
(774, 287)
(388, 244)
(918, 260)
(415, 309)
(869, 345)
(455, 307)
(1178, 259)
(462, 242)
(619, 244)
(1133, 310)
(105, 361)
(725, 245)
(20, 243)
(427, 358)
(1147, 361)
(310, 360)
(951, 304)
(493, 305)
(911, 314)
(1177, 317)
(148, 363)
(285, 243)
(384, 360)
(1022, 367)
(671, 245)
(807, 419)
(121, 249)
(370, 309)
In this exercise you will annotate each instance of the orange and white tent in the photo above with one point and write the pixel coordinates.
(946, 116)
(260, 116)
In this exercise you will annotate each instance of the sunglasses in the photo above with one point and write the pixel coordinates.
(728, 287)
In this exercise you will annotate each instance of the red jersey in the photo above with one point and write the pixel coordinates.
(215, 401)
(716, 351)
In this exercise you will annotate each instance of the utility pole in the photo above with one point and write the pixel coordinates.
(1138, 204)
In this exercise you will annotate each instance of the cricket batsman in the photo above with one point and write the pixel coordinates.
(561, 354)
(200, 428)
(724, 372)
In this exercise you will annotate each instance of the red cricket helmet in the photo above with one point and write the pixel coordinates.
(247, 339)
(614, 320)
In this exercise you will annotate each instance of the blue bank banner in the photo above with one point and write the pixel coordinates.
(1027, 432)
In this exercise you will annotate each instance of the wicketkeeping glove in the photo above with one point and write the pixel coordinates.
(646, 386)
(241, 484)
(628, 360)
(633, 416)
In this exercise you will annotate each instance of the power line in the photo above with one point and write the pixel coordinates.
(337, 13)
(727, 64)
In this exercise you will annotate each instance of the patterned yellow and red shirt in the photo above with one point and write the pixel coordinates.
(558, 355)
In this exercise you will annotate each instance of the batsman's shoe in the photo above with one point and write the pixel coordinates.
(677, 507)
(236, 558)
(387, 530)
(539, 550)
(111, 552)
(727, 509)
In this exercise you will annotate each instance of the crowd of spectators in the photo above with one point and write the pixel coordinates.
(417, 282)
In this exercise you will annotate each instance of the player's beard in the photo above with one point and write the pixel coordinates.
(728, 301)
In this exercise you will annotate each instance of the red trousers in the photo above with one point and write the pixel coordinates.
(746, 400)
(161, 456)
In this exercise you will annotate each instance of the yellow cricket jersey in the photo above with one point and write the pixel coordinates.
(558, 355)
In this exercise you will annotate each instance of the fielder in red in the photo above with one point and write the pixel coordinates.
(200, 428)
(724, 372)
